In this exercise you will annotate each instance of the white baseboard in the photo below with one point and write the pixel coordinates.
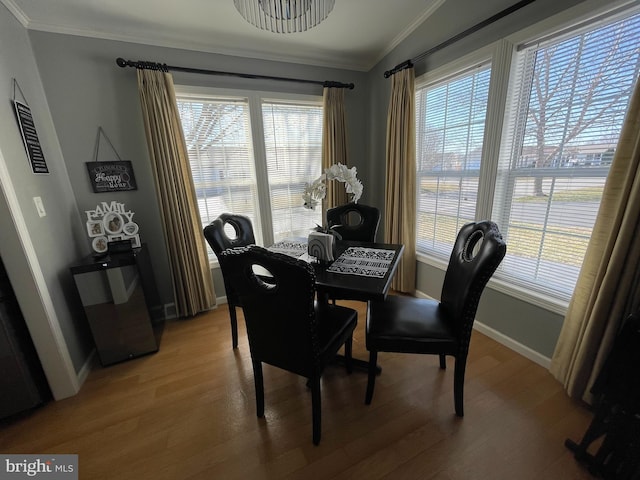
(510, 343)
(420, 294)
(505, 340)
(170, 311)
(170, 308)
(86, 367)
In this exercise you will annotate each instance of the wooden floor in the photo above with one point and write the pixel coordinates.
(188, 412)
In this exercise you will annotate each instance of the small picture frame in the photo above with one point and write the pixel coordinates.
(135, 240)
(100, 244)
(130, 228)
(95, 228)
(112, 223)
(115, 238)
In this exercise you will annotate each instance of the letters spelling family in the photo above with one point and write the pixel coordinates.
(101, 210)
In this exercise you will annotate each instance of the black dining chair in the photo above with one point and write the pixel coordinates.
(415, 325)
(219, 241)
(614, 432)
(286, 328)
(354, 221)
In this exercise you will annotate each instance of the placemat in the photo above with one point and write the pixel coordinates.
(368, 262)
(289, 247)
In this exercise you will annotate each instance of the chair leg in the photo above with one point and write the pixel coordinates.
(348, 348)
(458, 384)
(259, 385)
(234, 325)
(443, 362)
(316, 409)
(599, 426)
(371, 382)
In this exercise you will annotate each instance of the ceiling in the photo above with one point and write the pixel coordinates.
(356, 34)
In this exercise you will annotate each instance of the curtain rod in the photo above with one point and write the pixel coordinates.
(469, 31)
(164, 67)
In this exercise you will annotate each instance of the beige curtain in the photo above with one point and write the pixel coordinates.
(192, 282)
(334, 143)
(400, 188)
(607, 288)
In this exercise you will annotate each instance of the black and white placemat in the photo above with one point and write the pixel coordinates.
(368, 262)
(292, 248)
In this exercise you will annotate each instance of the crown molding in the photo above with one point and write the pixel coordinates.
(435, 4)
(329, 60)
(17, 12)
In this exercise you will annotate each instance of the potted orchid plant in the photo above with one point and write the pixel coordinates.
(316, 192)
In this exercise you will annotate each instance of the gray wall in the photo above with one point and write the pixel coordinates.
(38, 251)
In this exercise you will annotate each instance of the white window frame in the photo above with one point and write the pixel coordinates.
(501, 54)
(463, 67)
(255, 99)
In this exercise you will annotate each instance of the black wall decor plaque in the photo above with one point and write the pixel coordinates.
(30, 138)
(111, 176)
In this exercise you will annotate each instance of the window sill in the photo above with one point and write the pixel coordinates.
(539, 300)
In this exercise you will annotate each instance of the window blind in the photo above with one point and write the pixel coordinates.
(293, 145)
(218, 138)
(252, 156)
(570, 96)
(450, 122)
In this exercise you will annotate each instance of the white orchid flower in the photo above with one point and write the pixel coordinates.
(317, 191)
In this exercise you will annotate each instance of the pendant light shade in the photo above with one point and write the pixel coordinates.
(284, 16)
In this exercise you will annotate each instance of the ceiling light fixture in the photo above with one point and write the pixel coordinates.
(284, 16)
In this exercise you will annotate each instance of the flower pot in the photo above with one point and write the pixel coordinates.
(322, 246)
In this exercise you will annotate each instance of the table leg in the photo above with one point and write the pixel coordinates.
(357, 364)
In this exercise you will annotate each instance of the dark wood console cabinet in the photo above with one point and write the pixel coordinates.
(121, 302)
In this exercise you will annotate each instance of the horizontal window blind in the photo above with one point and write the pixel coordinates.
(450, 123)
(293, 145)
(252, 156)
(218, 138)
(570, 96)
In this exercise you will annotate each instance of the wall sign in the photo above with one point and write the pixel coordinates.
(111, 176)
(30, 137)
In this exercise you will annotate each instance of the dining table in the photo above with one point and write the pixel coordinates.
(361, 271)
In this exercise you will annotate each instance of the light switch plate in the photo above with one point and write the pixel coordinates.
(39, 207)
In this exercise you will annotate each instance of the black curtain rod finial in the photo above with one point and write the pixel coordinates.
(402, 66)
(142, 65)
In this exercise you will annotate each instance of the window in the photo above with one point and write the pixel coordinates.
(571, 94)
(220, 151)
(567, 97)
(252, 155)
(450, 118)
(293, 141)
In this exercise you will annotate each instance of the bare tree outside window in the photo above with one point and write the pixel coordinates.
(579, 94)
(572, 94)
(230, 139)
